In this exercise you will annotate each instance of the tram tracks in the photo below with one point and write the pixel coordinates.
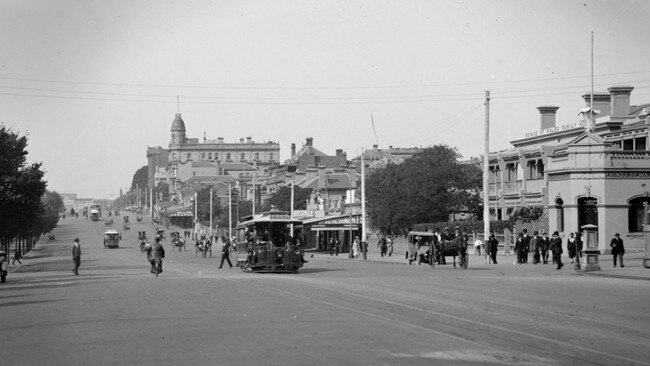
(498, 340)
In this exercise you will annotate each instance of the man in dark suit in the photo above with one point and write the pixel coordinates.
(76, 256)
(617, 248)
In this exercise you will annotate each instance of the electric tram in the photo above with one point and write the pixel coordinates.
(270, 242)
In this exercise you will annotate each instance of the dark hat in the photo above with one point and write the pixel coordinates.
(76, 239)
(556, 233)
(617, 234)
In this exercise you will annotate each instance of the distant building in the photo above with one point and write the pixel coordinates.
(183, 149)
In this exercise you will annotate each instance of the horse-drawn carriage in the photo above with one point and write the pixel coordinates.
(109, 222)
(424, 247)
(203, 246)
(177, 242)
(160, 233)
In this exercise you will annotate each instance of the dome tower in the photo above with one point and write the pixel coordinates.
(178, 131)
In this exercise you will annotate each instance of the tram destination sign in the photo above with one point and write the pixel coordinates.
(628, 175)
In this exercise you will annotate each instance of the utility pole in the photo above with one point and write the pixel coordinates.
(196, 213)
(254, 188)
(364, 238)
(486, 176)
(229, 211)
(211, 233)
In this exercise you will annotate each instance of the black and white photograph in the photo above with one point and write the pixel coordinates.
(302, 182)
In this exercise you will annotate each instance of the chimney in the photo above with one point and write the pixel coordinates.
(241, 140)
(249, 140)
(321, 175)
(620, 100)
(339, 152)
(310, 141)
(293, 150)
(220, 140)
(375, 147)
(547, 116)
(601, 103)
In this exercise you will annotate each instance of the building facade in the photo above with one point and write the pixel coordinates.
(595, 171)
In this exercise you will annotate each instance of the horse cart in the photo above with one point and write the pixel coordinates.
(177, 242)
(425, 247)
(203, 246)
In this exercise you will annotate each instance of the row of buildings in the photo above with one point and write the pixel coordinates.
(253, 168)
(593, 171)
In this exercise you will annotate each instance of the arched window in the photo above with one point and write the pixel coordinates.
(257, 156)
(559, 213)
(243, 156)
(635, 214)
(228, 157)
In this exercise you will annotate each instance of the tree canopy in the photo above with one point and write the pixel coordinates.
(281, 199)
(21, 188)
(140, 178)
(425, 188)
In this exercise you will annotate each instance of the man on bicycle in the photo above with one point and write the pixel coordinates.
(155, 252)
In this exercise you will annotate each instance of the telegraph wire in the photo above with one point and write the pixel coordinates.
(477, 84)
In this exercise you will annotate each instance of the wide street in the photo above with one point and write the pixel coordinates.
(335, 311)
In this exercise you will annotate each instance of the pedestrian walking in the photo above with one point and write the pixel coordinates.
(535, 243)
(76, 255)
(519, 244)
(556, 248)
(337, 246)
(618, 249)
(571, 246)
(525, 246)
(17, 255)
(331, 246)
(477, 246)
(4, 266)
(389, 244)
(382, 245)
(225, 252)
(544, 247)
(356, 248)
(493, 247)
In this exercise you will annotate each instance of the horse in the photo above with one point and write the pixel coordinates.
(204, 246)
(453, 247)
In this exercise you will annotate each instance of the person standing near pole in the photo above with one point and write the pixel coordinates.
(493, 247)
(76, 256)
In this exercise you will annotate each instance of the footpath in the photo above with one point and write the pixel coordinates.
(633, 263)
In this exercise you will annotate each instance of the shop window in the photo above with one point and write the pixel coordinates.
(635, 214)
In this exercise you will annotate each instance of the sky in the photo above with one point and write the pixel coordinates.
(93, 83)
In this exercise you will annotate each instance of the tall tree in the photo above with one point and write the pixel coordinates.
(140, 178)
(21, 187)
(425, 188)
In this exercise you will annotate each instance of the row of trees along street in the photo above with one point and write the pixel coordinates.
(28, 208)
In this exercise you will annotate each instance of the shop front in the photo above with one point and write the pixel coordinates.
(318, 232)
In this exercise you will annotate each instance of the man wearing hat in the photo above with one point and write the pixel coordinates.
(225, 252)
(76, 256)
(617, 248)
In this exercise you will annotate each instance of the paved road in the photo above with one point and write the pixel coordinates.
(334, 312)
